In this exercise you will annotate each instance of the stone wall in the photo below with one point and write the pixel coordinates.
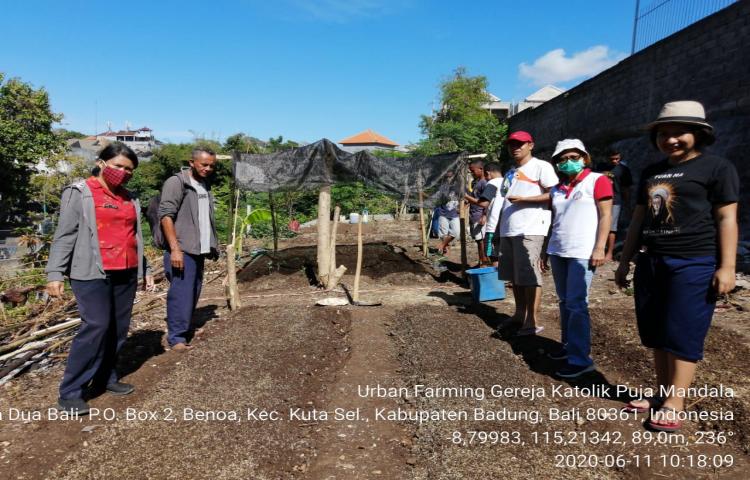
(708, 61)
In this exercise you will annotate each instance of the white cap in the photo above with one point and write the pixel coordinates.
(569, 144)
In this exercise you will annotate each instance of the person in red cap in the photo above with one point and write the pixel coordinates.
(524, 222)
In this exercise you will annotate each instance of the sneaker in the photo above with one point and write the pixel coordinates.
(560, 354)
(119, 388)
(574, 371)
(73, 406)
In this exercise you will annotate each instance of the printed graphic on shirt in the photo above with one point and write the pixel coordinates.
(661, 199)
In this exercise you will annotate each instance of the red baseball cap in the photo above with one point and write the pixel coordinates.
(520, 136)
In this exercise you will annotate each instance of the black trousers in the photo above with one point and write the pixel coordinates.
(105, 306)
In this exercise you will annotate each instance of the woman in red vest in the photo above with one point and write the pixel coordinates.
(98, 244)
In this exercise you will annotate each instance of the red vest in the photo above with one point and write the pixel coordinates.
(116, 227)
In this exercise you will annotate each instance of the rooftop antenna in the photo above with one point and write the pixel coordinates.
(127, 125)
(109, 126)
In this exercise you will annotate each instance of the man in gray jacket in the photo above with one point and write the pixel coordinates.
(186, 213)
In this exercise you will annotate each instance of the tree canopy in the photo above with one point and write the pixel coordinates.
(26, 138)
(461, 124)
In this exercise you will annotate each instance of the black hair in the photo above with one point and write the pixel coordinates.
(493, 167)
(199, 150)
(117, 148)
(704, 136)
(613, 151)
(478, 163)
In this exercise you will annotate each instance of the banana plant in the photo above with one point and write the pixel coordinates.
(256, 216)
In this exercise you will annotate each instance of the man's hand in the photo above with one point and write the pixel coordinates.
(514, 198)
(483, 220)
(621, 275)
(544, 262)
(55, 289)
(176, 259)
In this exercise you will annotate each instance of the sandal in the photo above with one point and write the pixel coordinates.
(668, 423)
(653, 403)
(526, 332)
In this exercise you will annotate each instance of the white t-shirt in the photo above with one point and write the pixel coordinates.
(204, 216)
(496, 204)
(576, 219)
(529, 180)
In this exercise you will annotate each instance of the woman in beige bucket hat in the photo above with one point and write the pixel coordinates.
(685, 225)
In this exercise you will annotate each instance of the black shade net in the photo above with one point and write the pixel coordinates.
(323, 163)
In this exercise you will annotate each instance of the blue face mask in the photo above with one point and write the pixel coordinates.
(571, 167)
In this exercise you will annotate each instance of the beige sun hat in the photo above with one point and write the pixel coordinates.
(682, 111)
(569, 144)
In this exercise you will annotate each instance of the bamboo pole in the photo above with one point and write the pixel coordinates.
(232, 291)
(40, 333)
(234, 215)
(425, 248)
(462, 215)
(324, 234)
(273, 223)
(332, 255)
(358, 271)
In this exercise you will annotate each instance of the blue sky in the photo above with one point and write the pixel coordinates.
(301, 69)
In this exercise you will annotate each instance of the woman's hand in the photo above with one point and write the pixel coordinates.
(148, 284)
(597, 257)
(621, 275)
(55, 289)
(724, 280)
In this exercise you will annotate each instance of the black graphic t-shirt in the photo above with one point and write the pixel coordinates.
(679, 202)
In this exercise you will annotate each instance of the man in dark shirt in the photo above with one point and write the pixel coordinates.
(477, 216)
(622, 180)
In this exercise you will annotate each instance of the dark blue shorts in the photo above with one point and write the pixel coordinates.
(674, 303)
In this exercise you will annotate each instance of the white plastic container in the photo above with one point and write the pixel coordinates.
(365, 216)
(354, 218)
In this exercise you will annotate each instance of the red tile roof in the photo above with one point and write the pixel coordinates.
(368, 137)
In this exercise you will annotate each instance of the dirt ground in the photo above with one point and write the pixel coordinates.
(285, 389)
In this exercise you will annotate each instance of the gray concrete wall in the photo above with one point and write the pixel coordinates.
(709, 62)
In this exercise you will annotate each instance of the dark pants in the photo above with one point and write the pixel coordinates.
(105, 306)
(184, 291)
(674, 303)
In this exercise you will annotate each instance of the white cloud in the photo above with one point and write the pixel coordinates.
(342, 11)
(555, 67)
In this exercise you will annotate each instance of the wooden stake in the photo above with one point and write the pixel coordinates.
(273, 223)
(232, 291)
(425, 249)
(324, 234)
(462, 222)
(332, 256)
(358, 272)
(234, 214)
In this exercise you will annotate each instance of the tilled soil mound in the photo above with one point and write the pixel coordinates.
(294, 267)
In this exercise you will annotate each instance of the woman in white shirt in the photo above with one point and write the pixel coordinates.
(582, 210)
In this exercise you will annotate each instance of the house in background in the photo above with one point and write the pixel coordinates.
(142, 142)
(367, 140)
(544, 94)
(498, 108)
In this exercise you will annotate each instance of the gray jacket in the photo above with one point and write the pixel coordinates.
(179, 201)
(75, 247)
